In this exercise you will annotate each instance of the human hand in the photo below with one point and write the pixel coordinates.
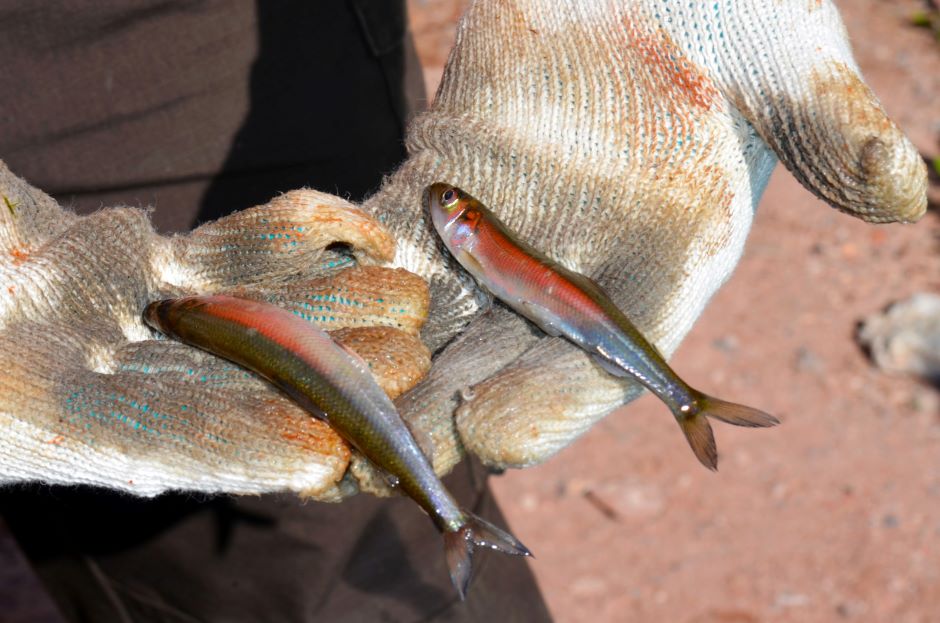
(90, 395)
(631, 141)
(620, 142)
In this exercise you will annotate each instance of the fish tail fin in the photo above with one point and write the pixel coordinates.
(475, 532)
(693, 418)
(698, 432)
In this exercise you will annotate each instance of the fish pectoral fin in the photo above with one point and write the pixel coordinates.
(541, 317)
(476, 270)
(471, 263)
(609, 366)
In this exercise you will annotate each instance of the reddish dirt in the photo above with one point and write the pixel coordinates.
(835, 515)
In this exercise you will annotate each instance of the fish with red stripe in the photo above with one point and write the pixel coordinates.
(333, 383)
(565, 303)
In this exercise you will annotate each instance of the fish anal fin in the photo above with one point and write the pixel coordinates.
(472, 264)
(609, 366)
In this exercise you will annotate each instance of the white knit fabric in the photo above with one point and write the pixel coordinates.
(90, 395)
(631, 140)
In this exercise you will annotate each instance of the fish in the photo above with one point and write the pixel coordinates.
(566, 303)
(333, 383)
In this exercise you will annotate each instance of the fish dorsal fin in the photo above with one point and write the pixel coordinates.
(586, 283)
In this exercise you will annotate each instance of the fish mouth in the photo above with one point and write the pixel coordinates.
(158, 315)
(152, 314)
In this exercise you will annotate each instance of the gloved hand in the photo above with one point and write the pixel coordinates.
(631, 141)
(88, 394)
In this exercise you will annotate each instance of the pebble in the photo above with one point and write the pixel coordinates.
(851, 609)
(616, 500)
(905, 339)
(726, 344)
(925, 401)
(790, 600)
(808, 361)
(529, 502)
(588, 585)
(636, 499)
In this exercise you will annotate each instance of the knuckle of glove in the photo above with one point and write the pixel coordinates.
(91, 396)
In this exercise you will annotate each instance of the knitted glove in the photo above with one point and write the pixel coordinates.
(630, 140)
(89, 395)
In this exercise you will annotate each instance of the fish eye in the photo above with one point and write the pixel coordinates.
(449, 198)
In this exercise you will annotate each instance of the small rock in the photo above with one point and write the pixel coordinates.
(601, 505)
(726, 616)
(878, 237)
(726, 344)
(628, 499)
(905, 339)
(808, 361)
(588, 586)
(791, 600)
(850, 609)
(925, 401)
(572, 487)
(529, 502)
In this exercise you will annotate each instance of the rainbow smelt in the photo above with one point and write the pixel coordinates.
(565, 303)
(333, 383)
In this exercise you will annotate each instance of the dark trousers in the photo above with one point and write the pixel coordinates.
(200, 108)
